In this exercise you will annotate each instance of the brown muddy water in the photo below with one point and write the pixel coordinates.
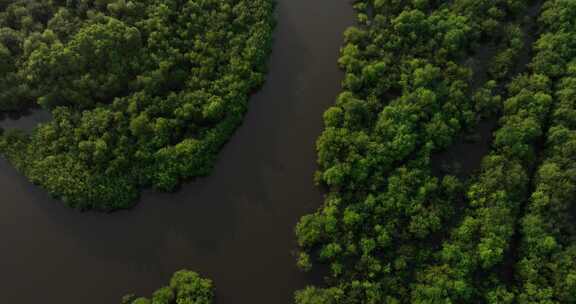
(235, 226)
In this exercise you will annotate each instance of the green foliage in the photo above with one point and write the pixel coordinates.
(312, 295)
(479, 244)
(96, 65)
(391, 231)
(186, 287)
(504, 60)
(547, 263)
(143, 93)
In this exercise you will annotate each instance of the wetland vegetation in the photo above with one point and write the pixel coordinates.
(393, 231)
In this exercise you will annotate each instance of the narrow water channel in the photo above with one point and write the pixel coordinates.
(235, 227)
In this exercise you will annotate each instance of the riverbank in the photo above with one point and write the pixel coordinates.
(235, 227)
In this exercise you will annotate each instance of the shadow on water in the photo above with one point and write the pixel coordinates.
(26, 120)
(235, 227)
(464, 157)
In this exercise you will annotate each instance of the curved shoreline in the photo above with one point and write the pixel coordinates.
(235, 226)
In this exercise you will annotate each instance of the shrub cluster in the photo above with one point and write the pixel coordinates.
(186, 287)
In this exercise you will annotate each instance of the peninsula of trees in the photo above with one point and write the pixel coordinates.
(142, 93)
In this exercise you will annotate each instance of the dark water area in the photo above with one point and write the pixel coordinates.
(464, 158)
(235, 226)
(26, 121)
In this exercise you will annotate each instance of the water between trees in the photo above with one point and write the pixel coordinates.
(235, 227)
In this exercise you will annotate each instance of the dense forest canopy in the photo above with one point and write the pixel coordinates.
(419, 76)
(142, 93)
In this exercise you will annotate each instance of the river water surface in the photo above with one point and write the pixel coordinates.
(235, 226)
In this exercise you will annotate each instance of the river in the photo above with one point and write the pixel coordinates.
(235, 226)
